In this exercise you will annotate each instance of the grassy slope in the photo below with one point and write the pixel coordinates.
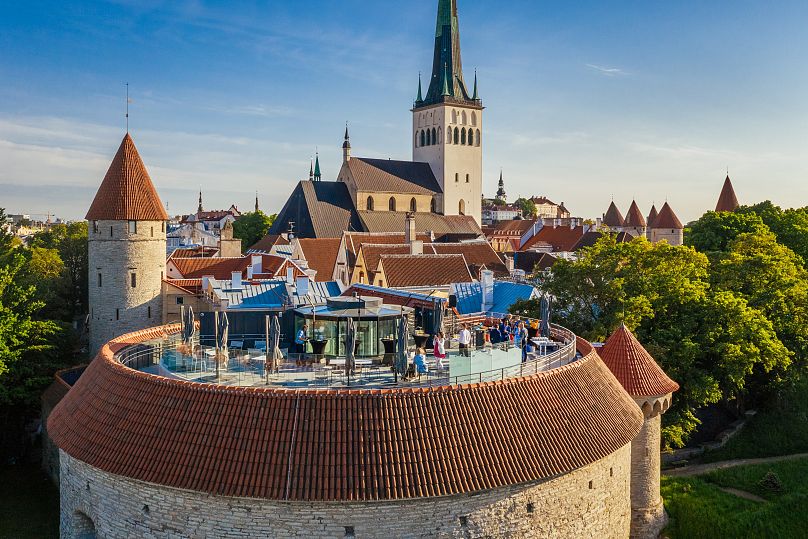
(782, 430)
(29, 504)
(698, 508)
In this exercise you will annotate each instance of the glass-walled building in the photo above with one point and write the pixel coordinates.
(375, 323)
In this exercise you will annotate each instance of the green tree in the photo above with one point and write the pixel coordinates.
(70, 242)
(790, 226)
(715, 231)
(251, 227)
(710, 341)
(528, 207)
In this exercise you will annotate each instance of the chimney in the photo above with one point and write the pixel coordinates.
(249, 272)
(258, 263)
(235, 280)
(290, 274)
(417, 247)
(409, 228)
(509, 262)
(487, 285)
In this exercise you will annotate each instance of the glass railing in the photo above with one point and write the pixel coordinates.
(239, 365)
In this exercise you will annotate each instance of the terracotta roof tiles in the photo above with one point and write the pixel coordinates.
(342, 445)
(634, 367)
(127, 192)
(652, 215)
(560, 238)
(634, 216)
(424, 270)
(727, 201)
(321, 255)
(613, 218)
(667, 219)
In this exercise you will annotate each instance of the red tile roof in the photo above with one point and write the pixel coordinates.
(342, 445)
(192, 286)
(634, 216)
(321, 254)
(424, 270)
(223, 268)
(477, 253)
(561, 238)
(127, 192)
(652, 215)
(667, 219)
(268, 242)
(727, 201)
(372, 253)
(613, 217)
(634, 367)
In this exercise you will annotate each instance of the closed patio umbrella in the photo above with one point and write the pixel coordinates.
(401, 349)
(350, 343)
(274, 355)
(188, 328)
(222, 329)
(437, 327)
(545, 316)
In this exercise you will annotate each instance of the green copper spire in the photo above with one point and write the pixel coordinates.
(317, 176)
(447, 67)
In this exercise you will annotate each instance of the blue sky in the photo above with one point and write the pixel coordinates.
(585, 100)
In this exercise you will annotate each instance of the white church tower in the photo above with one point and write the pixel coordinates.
(447, 123)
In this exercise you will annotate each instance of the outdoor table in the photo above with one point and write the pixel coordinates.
(389, 346)
(318, 346)
(420, 339)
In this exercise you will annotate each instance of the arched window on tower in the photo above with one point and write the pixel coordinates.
(457, 136)
(461, 207)
(454, 116)
(433, 205)
(463, 136)
(428, 137)
(369, 204)
(463, 118)
(440, 136)
(423, 138)
(413, 205)
(457, 177)
(473, 118)
(391, 204)
(467, 178)
(417, 136)
(478, 137)
(471, 137)
(434, 136)
(448, 135)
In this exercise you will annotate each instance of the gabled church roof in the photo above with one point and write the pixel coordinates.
(667, 219)
(727, 201)
(318, 210)
(127, 192)
(634, 216)
(447, 82)
(613, 217)
(389, 176)
(634, 367)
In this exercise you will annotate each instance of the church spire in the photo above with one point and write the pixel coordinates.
(199, 209)
(256, 202)
(317, 175)
(475, 97)
(311, 170)
(447, 67)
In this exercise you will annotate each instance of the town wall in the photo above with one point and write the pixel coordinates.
(593, 501)
(648, 515)
(116, 253)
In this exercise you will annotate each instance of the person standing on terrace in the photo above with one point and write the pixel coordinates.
(464, 340)
(300, 343)
(440, 349)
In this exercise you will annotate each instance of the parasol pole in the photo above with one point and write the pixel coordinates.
(216, 341)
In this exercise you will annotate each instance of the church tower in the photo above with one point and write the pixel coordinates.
(126, 250)
(447, 123)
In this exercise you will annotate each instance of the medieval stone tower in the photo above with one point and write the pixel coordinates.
(127, 250)
(635, 223)
(447, 123)
(667, 226)
(652, 390)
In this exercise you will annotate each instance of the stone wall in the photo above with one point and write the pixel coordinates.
(648, 513)
(115, 253)
(590, 502)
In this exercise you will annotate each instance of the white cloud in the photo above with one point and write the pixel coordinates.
(607, 71)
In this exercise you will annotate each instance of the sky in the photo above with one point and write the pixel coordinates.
(585, 101)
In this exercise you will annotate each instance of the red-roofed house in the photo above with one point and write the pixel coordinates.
(559, 239)
(422, 271)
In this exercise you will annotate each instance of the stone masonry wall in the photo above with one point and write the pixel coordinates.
(648, 513)
(590, 502)
(116, 307)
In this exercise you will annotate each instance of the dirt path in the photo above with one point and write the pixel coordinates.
(699, 469)
(742, 494)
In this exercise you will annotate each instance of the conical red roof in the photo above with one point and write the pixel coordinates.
(613, 217)
(667, 219)
(127, 192)
(634, 216)
(652, 215)
(634, 367)
(727, 201)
